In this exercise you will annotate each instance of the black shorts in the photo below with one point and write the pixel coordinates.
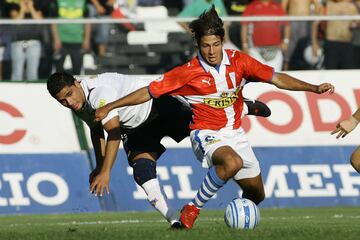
(168, 117)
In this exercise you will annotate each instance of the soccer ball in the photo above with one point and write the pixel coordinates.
(242, 213)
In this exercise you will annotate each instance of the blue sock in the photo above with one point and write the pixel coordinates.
(209, 187)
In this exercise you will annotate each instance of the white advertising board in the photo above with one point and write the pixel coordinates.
(31, 121)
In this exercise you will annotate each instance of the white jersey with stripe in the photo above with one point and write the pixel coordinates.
(108, 87)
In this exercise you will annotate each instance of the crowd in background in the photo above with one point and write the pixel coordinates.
(32, 52)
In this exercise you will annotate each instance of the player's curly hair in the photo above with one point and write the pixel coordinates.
(208, 23)
(57, 81)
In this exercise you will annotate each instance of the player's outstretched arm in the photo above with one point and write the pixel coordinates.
(285, 81)
(347, 125)
(139, 96)
(101, 182)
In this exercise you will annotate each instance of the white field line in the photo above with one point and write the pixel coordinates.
(138, 221)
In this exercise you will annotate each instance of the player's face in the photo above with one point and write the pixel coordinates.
(72, 97)
(211, 49)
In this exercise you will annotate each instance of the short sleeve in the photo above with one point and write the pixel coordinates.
(101, 96)
(169, 83)
(255, 70)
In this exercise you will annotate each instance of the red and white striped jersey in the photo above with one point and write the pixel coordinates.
(215, 95)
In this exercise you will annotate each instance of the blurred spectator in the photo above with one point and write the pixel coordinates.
(197, 7)
(46, 63)
(173, 6)
(148, 3)
(5, 46)
(235, 8)
(355, 27)
(70, 39)
(4, 8)
(25, 40)
(299, 29)
(264, 40)
(338, 50)
(101, 9)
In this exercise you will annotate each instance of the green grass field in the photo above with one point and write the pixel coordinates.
(284, 223)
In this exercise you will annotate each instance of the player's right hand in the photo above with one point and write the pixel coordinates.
(345, 127)
(101, 113)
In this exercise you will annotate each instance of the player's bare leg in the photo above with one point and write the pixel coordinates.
(355, 159)
(226, 164)
(253, 188)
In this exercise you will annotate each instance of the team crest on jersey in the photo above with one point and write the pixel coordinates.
(160, 78)
(226, 100)
(102, 103)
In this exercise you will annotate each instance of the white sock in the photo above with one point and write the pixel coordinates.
(158, 199)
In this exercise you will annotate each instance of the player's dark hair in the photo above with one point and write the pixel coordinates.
(208, 23)
(57, 81)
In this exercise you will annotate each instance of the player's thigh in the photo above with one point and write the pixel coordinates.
(355, 157)
(356, 153)
(226, 156)
(205, 143)
(142, 145)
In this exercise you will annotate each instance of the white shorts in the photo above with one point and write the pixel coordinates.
(205, 142)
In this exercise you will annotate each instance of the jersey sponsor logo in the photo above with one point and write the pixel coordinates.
(226, 100)
(102, 103)
(160, 78)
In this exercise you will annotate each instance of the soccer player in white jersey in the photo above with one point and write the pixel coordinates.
(344, 128)
(212, 83)
(140, 127)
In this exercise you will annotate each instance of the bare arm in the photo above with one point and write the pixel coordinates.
(285, 81)
(244, 38)
(55, 37)
(87, 35)
(101, 181)
(284, 4)
(347, 125)
(139, 96)
(98, 142)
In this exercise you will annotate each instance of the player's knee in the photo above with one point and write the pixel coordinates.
(233, 163)
(260, 197)
(256, 195)
(355, 160)
(143, 170)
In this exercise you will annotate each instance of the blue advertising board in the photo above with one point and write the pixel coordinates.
(45, 183)
(293, 176)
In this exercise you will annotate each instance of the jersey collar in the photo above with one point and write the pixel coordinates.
(207, 67)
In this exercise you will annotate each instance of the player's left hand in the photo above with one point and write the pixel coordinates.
(101, 113)
(345, 127)
(93, 174)
(100, 184)
(325, 87)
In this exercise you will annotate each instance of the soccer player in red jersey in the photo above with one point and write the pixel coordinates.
(212, 83)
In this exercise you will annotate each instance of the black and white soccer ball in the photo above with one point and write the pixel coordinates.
(242, 213)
